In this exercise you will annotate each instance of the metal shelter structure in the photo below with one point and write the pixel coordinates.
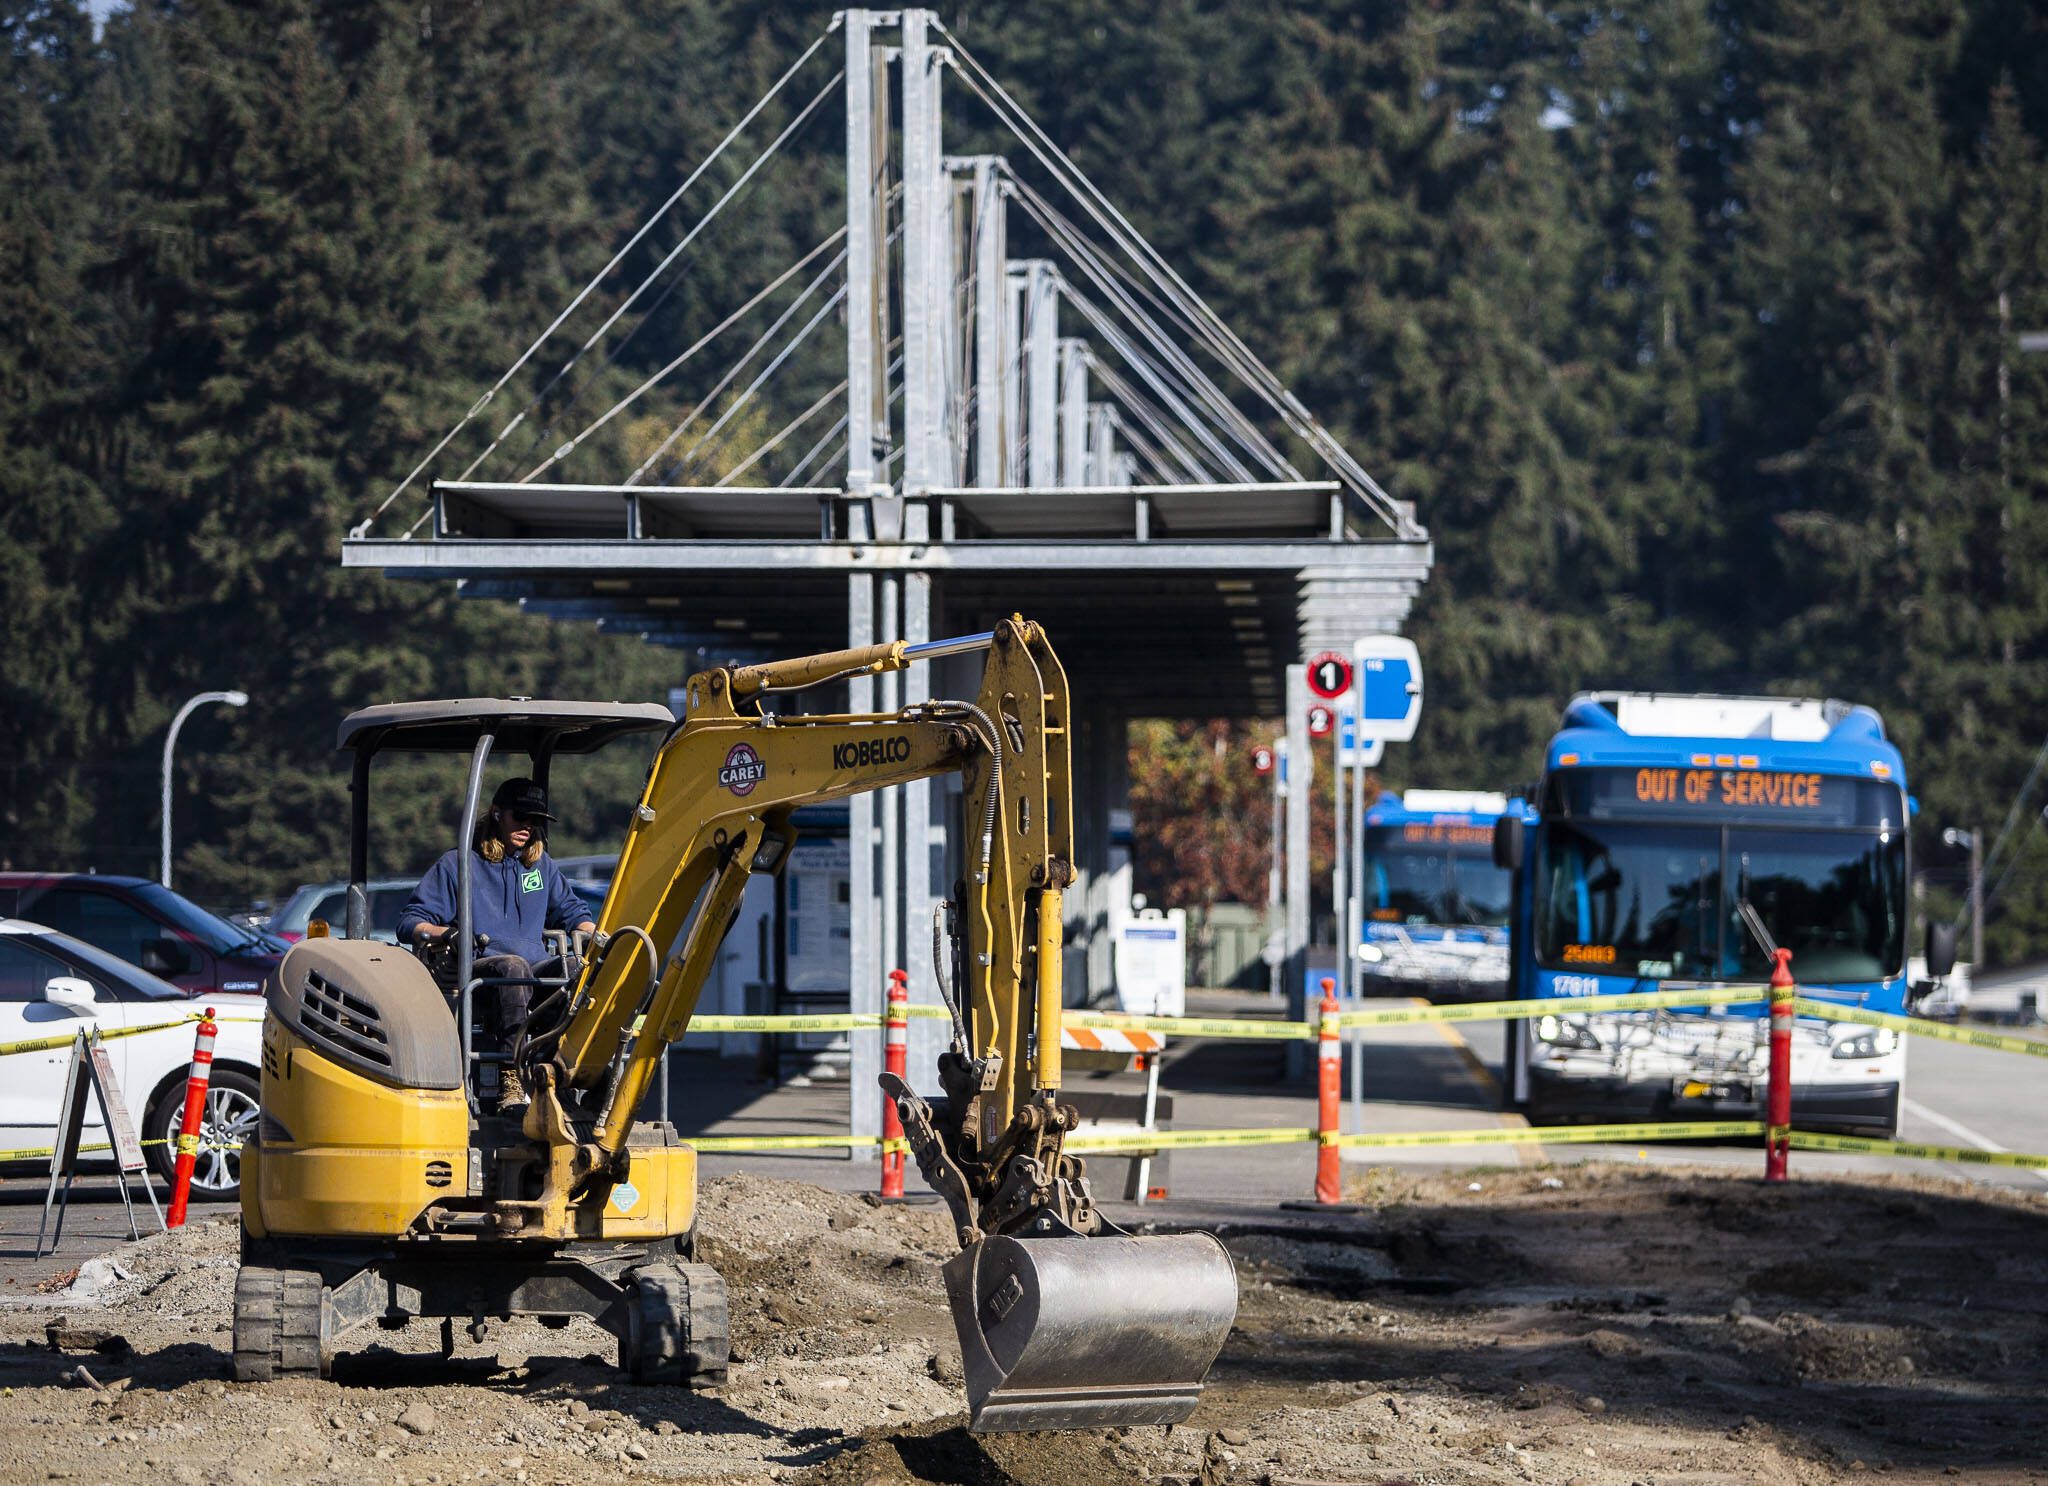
(1074, 435)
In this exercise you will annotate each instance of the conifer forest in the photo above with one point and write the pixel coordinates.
(1693, 329)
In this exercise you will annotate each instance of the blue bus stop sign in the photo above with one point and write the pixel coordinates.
(1389, 672)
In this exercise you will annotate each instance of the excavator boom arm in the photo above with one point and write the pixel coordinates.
(1063, 1320)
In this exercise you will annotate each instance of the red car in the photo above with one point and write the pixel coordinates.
(146, 924)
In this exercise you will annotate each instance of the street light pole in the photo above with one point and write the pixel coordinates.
(232, 699)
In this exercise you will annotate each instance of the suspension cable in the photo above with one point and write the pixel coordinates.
(645, 227)
(1110, 278)
(733, 408)
(702, 341)
(690, 237)
(732, 372)
(1222, 339)
(787, 429)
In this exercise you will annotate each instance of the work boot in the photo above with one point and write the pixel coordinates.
(512, 1092)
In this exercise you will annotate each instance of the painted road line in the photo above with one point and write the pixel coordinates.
(1958, 1129)
(1527, 1153)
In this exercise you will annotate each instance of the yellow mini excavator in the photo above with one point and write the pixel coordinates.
(385, 1184)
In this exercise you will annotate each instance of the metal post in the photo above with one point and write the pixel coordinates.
(1340, 856)
(1016, 285)
(357, 925)
(991, 296)
(1356, 974)
(1101, 457)
(1300, 774)
(1073, 412)
(192, 704)
(465, 920)
(1976, 902)
(863, 237)
(923, 850)
(890, 807)
(1041, 371)
(1276, 892)
(864, 888)
(924, 284)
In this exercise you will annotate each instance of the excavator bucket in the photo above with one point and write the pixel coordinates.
(1079, 1333)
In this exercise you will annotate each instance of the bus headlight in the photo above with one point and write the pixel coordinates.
(1560, 1033)
(1871, 1042)
(1370, 954)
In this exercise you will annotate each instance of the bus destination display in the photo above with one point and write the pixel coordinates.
(1753, 796)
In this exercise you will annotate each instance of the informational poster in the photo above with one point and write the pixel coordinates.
(1152, 964)
(817, 888)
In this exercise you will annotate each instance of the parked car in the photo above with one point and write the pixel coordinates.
(590, 876)
(52, 985)
(329, 901)
(148, 925)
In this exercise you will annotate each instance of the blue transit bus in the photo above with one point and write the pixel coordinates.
(1657, 818)
(1433, 906)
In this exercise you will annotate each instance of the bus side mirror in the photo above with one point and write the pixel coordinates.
(1941, 949)
(1507, 843)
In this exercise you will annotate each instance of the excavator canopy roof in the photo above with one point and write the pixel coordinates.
(519, 724)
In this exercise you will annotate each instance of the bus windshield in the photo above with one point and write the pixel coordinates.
(1836, 901)
(1410, 882)
(1661, 901)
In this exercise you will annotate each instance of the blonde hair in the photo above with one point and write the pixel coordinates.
(492, 850)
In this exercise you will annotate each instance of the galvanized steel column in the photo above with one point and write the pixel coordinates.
(1041, 371)
(991, 301)
(1073, 412)
(864, 889)
(1300, 775)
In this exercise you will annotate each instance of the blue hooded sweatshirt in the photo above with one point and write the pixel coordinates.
(511, 903)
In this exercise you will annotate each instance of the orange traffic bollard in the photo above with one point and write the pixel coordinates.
(896, 1059)
(195, 1110)
(1778, 1105)
(1329, 1090)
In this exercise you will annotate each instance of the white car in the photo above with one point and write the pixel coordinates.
(52, 985)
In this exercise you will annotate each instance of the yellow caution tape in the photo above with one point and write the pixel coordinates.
(107, 1034)
(843, 1021)
(822, 1022)
(1172, 1140)
(44, 1152)
(1488, 1011)
(1190, 1026)
(1829, 1011)
(1802, 1141)
(1556, 1134)
(780, 1142)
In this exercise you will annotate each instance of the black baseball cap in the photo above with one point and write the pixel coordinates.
(524, 798)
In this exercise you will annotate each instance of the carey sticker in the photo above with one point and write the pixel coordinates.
(742, 769)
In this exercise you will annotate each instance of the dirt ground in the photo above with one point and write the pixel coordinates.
(1593, 1325)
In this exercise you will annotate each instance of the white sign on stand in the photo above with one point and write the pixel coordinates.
(92, 1070)
(1152, 964)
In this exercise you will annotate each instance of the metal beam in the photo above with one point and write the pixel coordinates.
(1073, 412)
(925, 283)
(1041, 371)
(990, 300)
(867, 403)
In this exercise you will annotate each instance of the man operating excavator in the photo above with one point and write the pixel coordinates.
(517, 894)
